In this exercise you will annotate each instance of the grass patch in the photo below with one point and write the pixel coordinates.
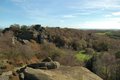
(81, 56)
(104, 33)
(101, 33)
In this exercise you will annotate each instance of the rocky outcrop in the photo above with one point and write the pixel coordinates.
(10, 75)
(63, 73)
(49, 70)
(45, 65)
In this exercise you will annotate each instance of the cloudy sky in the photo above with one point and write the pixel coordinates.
(85, 14)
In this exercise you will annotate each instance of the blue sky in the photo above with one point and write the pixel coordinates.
(85, 14)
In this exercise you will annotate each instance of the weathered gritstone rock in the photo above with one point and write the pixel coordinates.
(4, 77)
(9, 75)
(63, 73)
(45, 65)
(37, 74)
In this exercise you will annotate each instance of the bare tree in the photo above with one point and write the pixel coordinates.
(105, 66)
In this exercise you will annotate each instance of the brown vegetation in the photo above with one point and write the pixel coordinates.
(30, 44)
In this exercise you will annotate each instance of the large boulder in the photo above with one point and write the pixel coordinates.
(38, 74)
(63, 73)
(45, 65)
(9, 75)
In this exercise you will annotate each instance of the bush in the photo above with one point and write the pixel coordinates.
(79, 44)
(83, 57)
(89, 51)
(49, 49)
(105, 66)
(69, 60)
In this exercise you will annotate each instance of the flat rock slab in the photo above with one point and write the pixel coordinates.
(63, 73)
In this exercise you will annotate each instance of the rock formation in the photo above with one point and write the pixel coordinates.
(64, 73)
(47, 63)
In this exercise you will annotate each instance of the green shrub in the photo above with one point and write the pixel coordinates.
(81, 56)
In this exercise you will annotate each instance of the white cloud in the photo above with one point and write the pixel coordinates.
(31, 9)
(116, 13)
(36, 9)
(69, 16)
(113, 14)
(77, 14)
(62, 21)
(78, 8)
(18, 1)
(108, 15)
(111, 23)
(95, 4)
